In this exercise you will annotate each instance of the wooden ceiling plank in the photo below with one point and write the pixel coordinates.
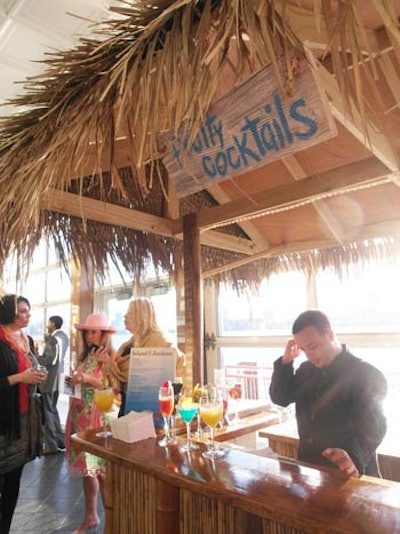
(382, 229)
(286, 195)
(331, 222)
(367, 133)
(304, 24)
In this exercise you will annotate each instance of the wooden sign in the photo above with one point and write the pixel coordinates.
(248, 127)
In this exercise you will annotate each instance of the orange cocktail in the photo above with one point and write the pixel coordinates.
(104, 399)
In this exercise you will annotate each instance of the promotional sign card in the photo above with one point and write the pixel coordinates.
(148, 369)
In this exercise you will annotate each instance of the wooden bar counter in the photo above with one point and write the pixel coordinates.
(157, 490)
(283, 439)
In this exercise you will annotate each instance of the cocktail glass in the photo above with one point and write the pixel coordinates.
(235, 393)
(187, 409)
(211, 411)
(166, 404)
(104, 398)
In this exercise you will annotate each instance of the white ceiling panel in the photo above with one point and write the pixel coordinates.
(65, 19)
(31, 28)
(16, 46)
(9, 75)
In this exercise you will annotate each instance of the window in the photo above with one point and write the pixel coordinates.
(363, 301)
(47, 287)
(115, 301)
(270, 313)
(364, 308)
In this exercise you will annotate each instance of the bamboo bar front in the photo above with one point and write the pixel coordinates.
(158, 490)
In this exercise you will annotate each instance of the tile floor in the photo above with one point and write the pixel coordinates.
(51, 500)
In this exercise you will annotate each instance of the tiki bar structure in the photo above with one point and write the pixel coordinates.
(223, 141)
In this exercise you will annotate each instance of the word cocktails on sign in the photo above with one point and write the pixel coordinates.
(248, 127)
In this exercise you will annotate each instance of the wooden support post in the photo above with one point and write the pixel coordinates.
(82, 302)
(193, 298)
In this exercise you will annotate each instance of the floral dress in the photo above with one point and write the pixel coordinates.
(84, 415)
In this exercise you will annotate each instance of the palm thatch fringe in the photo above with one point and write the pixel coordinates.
(342, 260)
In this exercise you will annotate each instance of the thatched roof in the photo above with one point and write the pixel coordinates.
(92, 121)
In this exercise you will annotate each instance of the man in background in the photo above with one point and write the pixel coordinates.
(56, 345)
(338, 398)
(54, 328)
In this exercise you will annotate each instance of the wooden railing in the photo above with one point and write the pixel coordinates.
(254, 379)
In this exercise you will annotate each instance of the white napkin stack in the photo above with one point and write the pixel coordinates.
(133, 427)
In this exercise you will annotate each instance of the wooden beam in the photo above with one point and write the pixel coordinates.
(289, 195)
(96, 210)
(260, 243)
(228, 242)
(371, 231)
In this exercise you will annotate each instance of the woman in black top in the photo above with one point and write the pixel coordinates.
(20, 424)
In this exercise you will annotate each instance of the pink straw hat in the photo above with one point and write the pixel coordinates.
(96, 321)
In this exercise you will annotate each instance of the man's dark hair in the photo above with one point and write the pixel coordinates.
(311, 318)
(56, 320)
(9, 307)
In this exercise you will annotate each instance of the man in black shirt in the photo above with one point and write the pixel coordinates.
(338, 398)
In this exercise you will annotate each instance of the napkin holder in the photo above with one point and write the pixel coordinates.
(135, 426)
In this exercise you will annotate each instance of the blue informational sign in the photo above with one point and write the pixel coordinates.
(148, 369)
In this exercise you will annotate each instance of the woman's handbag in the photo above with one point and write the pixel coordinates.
(36, 421)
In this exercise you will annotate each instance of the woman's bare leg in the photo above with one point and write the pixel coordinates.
(91, 519)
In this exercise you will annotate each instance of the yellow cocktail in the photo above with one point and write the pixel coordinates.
(211, 414)
(104, 399)
(211, 410)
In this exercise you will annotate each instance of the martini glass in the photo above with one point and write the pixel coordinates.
(187, 409)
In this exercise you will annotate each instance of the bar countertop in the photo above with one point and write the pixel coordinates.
(312, 500)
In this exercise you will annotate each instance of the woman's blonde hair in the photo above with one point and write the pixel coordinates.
(143, 310)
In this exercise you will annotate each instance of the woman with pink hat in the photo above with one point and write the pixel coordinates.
(90, 374)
